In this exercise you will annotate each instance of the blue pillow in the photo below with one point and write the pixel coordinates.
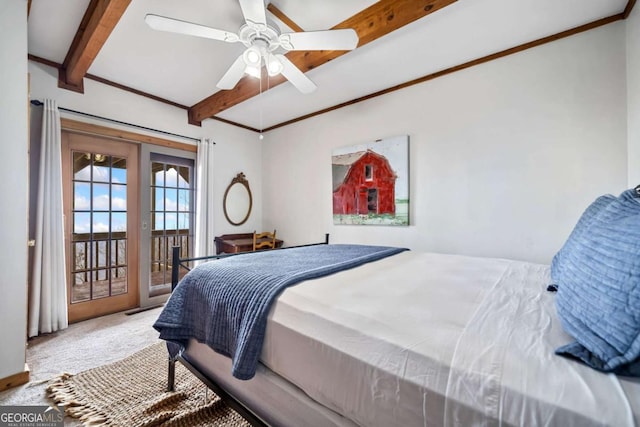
(559, 261)
(598, 298)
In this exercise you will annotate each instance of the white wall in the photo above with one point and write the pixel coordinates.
(633, 94)
(504, 157)
(237, 149)
(13, 192)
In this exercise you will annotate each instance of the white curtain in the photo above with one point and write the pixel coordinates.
(48, 292)
(204, 201)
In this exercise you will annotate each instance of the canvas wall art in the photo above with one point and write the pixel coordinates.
(371, 182)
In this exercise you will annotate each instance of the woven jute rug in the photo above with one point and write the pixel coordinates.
(132, 392)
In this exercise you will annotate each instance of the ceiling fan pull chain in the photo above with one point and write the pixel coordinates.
(260, 101)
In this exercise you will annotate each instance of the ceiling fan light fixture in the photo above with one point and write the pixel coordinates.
(274, 66)
(253, 71)
(252, 57)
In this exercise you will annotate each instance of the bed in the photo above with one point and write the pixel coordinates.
(415, 339)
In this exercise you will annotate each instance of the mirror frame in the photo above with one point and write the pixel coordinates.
(239, 179)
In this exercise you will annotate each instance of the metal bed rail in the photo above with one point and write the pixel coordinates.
(177, 262)
(231, 400)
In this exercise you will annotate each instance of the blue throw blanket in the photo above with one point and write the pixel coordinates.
(225, 303)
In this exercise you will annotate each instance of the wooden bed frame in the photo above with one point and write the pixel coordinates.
(234, 403)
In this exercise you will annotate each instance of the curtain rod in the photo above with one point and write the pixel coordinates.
(39, 103)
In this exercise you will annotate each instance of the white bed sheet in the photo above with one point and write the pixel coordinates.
(422, 339)
(269, 396)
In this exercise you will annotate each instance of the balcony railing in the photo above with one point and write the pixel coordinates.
(99, 267)
(161, 246)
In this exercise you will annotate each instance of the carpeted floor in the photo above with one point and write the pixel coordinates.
(82, 346)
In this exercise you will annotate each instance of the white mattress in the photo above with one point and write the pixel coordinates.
(420, 339)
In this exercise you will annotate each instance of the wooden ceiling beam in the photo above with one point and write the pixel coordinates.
(629, 8)
(284, 18)
(97, 24)
(378, 20)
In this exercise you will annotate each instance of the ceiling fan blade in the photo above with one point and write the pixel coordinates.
(295, 76)
(233, 74)
(254, 13)
(171, 25)
(346, 39)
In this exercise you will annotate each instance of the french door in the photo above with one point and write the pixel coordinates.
(171, 217)
(168, 213)
(101, 204)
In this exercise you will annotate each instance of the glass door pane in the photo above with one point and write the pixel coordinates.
(172, 210)
(99, 267)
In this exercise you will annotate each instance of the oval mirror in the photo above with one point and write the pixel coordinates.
(237, 200)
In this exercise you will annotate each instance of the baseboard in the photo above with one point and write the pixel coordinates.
(141, 309)
(16, 379)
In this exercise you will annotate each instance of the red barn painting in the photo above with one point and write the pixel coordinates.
(363, 183)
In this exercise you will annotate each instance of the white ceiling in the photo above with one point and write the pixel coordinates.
(185, 69)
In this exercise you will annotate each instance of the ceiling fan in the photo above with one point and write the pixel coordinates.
(264, 42)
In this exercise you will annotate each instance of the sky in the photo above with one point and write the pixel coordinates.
(174, 199)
